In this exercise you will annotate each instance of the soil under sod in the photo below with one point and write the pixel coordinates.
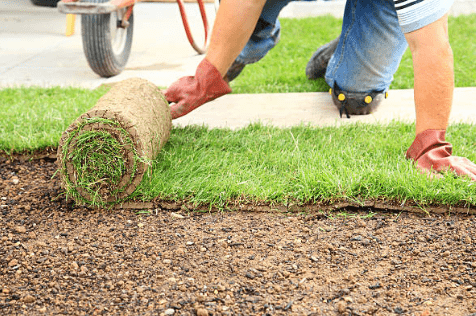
(56, 258)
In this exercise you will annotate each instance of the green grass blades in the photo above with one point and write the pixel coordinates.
(34, 118)
(464, 49)
(283, 69)
(99, 161)
(301, 164)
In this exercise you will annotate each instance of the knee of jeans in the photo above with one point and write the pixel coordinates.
(356, 86)
(358, 78)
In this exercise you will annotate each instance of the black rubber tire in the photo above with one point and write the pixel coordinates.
(45, 3)
(107, 56)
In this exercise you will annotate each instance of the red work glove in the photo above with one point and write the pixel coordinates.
(432, 153)
(188, 93)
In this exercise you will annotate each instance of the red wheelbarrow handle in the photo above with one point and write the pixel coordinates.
(200, 50)
(76, 7)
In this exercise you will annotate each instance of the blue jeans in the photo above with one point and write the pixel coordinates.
(266, 33)
(370, 48)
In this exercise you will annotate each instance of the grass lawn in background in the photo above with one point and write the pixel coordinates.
(283, 69)
(261, 163)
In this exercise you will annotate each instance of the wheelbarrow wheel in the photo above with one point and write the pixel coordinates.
(106, 43)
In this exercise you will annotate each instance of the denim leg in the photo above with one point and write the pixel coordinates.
(370, 48)
(266, 33)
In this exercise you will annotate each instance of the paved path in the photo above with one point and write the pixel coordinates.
(288, 109)
(35, 51)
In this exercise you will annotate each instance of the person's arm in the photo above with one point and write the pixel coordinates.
(233, 26)
(433, 88)
(434, 78)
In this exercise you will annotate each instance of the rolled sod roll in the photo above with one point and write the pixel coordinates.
(103, 155)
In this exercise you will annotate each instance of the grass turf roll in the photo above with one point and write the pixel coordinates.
(103, 155)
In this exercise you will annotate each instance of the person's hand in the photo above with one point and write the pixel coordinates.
(188, 93)
(432, 153)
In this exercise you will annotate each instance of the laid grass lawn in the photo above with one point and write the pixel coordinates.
(34, 118)
(302, 164)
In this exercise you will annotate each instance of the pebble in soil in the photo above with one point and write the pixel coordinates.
(59, 259)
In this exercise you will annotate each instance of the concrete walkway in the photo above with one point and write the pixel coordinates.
(316, 109)
(35, 52)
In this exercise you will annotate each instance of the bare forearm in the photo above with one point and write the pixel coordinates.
(434, 85)
(434, 78)
(234, 24)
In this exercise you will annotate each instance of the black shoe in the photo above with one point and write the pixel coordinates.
(356, 103)
(235, 69)
(317, 65)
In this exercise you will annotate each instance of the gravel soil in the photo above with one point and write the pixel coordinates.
(59, 259)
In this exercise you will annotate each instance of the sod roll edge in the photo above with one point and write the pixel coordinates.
(103, 154)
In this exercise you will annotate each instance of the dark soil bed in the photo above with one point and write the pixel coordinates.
(56, 258)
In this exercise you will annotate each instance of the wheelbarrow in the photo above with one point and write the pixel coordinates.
(107, 28)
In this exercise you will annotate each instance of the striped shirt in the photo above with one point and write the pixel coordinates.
(415, 14)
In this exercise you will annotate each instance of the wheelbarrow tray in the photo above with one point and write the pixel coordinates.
(76, 7)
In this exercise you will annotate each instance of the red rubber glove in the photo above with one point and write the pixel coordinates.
(188, 93)
(432, 153)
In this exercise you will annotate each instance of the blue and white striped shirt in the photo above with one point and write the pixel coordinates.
(415, 14)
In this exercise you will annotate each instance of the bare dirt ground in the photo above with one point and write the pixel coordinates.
(58, 259)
